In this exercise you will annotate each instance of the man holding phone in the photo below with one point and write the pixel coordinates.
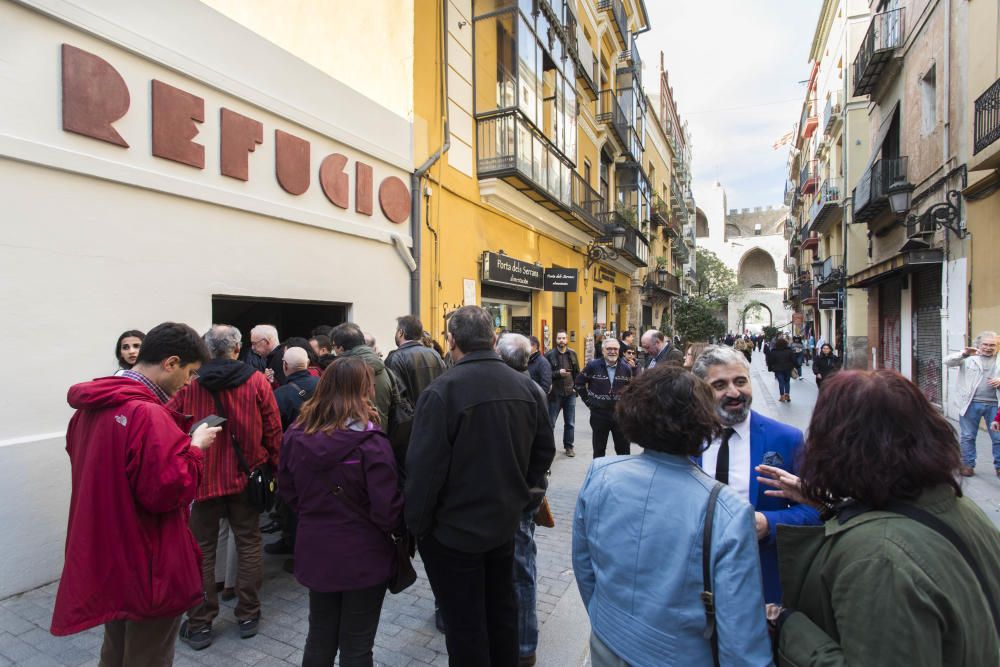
(562, 395)
(976, 396)
(229, 388)
(131, 562)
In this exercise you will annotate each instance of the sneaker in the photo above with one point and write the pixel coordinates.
(278, 548)
(248, 627)
(966, 471)
(526, 661)
(196, 639)
(569, 452)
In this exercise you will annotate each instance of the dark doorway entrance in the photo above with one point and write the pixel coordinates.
(290, 317)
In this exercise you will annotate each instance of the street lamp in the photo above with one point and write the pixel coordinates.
(599, 249)
(661, 274)
(946, 214)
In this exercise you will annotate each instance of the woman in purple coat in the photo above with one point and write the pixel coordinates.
(344, 557)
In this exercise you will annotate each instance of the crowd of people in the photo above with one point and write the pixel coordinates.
(730, 539)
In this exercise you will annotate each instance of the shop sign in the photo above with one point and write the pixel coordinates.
(602, 274)
(95, 96)
(503, 270)
(560, 280)
(831, 300)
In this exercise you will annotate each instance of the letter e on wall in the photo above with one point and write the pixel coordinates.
(175, 113)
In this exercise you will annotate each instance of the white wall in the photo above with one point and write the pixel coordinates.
(99, 239)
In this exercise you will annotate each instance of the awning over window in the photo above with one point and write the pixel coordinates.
(898, 265)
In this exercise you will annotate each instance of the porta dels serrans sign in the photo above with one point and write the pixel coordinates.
(503, 270)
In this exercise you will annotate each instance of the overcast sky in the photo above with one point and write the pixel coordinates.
(735, 67)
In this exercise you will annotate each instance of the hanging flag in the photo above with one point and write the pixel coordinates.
(785, 139)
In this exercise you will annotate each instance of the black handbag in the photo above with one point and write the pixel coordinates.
(262, 487)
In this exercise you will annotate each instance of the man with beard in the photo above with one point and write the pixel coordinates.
(749, 440)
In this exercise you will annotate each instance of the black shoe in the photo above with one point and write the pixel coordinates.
(278, 548)
(272, 527)
(439, 621)
(289, 565)
(569, 452)
(248, 628)
(196, 639)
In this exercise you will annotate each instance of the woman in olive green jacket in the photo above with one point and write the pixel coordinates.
(872, 586)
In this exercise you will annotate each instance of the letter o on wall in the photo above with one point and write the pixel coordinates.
(394, 199)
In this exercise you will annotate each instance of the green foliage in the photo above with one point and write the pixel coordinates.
(661, 262)
(771, 333)
(715, 282)
(695, 318)
(628, 213)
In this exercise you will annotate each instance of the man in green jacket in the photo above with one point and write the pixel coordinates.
(349, 341)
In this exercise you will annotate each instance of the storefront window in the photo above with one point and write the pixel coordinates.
(510, 308)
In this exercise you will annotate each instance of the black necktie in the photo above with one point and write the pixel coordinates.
(722, 460)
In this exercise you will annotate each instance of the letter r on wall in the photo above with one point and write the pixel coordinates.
(94, 95)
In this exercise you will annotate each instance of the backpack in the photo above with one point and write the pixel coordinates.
(400, 418)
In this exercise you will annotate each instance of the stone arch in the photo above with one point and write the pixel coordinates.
(700, 224)
(757, 270)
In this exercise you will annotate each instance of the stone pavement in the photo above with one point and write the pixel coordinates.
(406, 635)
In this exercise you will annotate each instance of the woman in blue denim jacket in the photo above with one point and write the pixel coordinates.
(637, 539)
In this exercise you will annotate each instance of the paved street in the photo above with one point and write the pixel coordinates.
(407, 636)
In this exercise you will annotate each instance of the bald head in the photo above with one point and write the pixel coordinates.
(652, 342)
(295, 360)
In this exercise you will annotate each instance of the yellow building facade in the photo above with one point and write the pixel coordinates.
(532, 142)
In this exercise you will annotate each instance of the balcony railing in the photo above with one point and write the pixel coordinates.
(871, 196)
(508, 147)
(832, 112)
(808, 179)
(609, 111)
(618, 18)
(885, 34)
(630, 60)
(830, 271)
(806, 292)
(569, 24)
(659, 212)
(670, 283)
(987, 118)
(636, 248)
(809, 120)
(827, 202)
(588, 205)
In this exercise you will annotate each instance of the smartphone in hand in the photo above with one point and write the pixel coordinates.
(210, 421)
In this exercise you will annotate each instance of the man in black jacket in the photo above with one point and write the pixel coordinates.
(538, 367)
(413, 362)
(481, 441)
(659, 350)
(565, 368)
(599, 385)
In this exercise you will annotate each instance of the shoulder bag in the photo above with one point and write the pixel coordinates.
(262, 488)
(404, 575)
(707, 596)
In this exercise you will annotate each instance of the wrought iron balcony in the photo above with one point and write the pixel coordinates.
(807, 294)
(871, 194)
(809, 120)
(885, 35)
(610, 112)
(659, 212)
(826, 206)
(809, 240)
(588, 205)
(808, 178)
(619, 20)
(636, 248)
(680, 251)
(832, 112)
(509, 148)
(828, 272)
(662, 281)
(987, 118)
(630, 60)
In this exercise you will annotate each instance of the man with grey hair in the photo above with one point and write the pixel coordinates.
(231, 389)
(481, 442)
(659, 350)
(976, 396)
(266, 353)
(515, 350)
(749, 440)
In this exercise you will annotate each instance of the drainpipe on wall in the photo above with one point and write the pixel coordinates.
(416, 178)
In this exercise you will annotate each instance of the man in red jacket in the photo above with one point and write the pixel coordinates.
(230, 389)
(131, 561)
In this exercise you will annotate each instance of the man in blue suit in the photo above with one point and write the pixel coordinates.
(749, 440)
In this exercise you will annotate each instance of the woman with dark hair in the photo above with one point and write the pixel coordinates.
(127, 349)
(781, 361)
(337, 471)
(825, 364)
(636, 513)
(906, 570)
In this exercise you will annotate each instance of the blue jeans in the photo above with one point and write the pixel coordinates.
(784, 379)
(524, 584)
(568, 406)
(969, 423)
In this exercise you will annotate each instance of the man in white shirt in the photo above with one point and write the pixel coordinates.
(976, 396)
(751, 439)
